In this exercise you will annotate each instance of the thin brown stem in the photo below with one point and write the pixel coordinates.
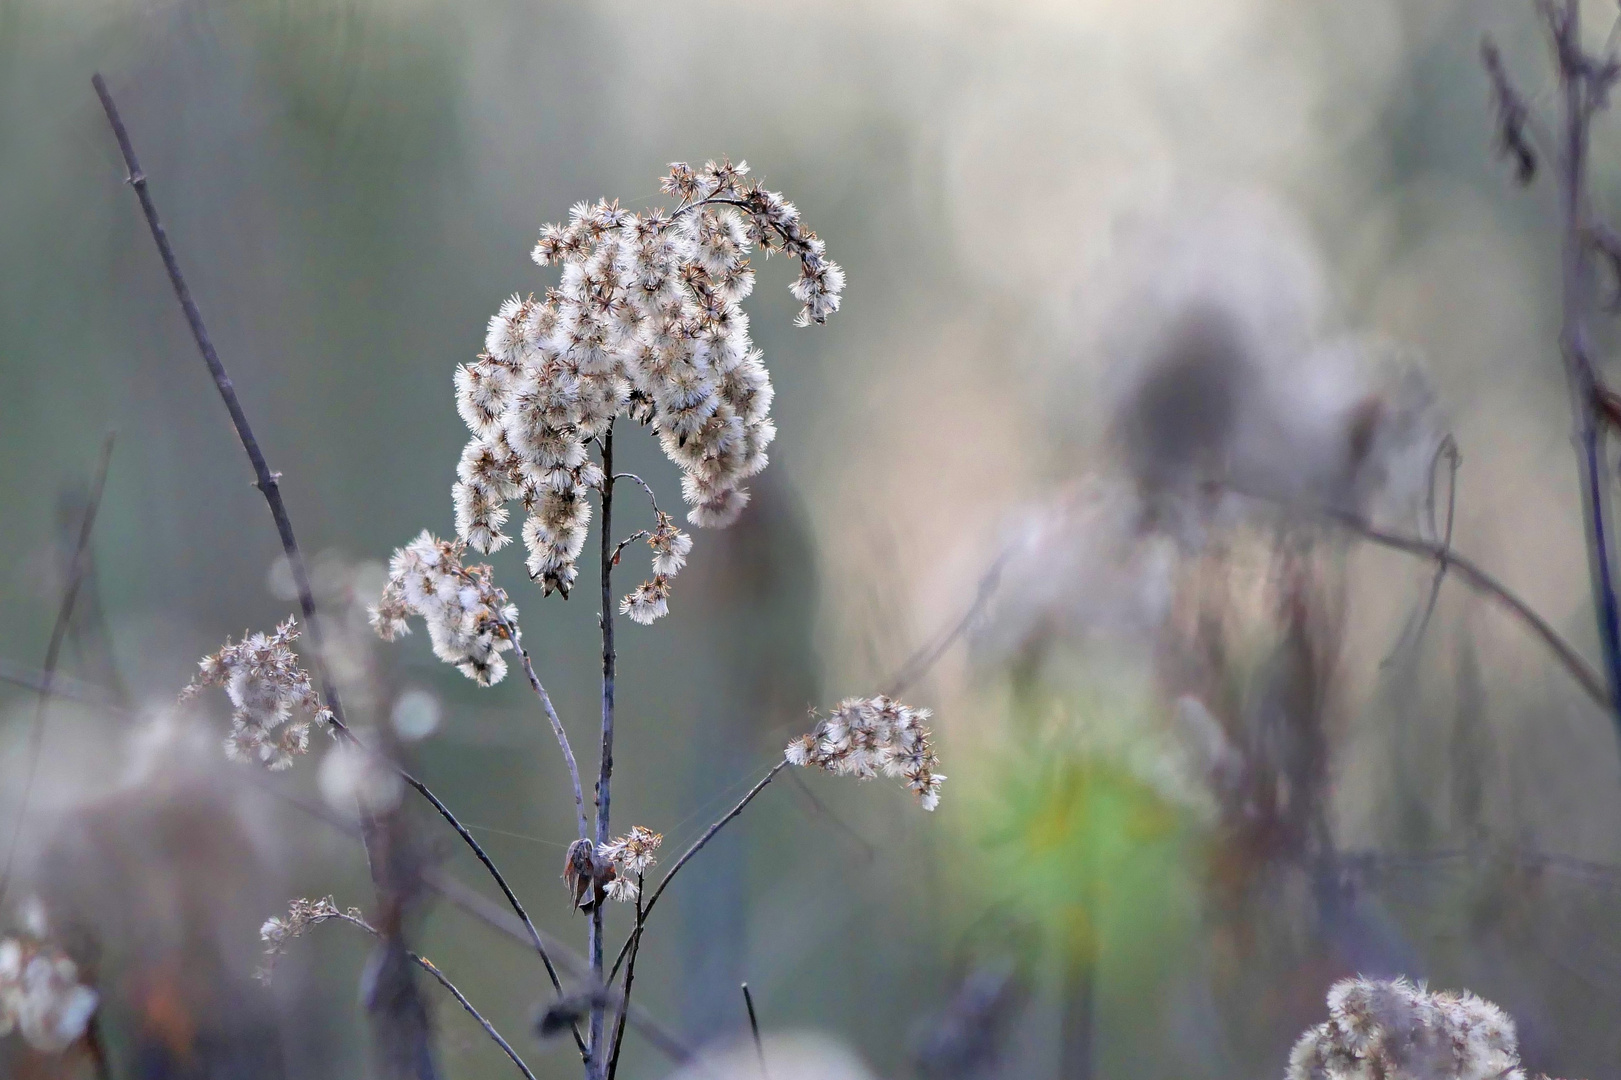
(53, 653)
(489, 1029)
(500, 920)
(652, 498)
(619, 549)
(433, 969)
(267, 481)
(491, 913)
(630, 978)
(557, 725)
(1477, 577)
(754, 1029)
(605, 775)
(686, 856)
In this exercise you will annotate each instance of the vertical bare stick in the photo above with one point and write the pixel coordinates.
(605, 776)
(1580, 97)
(53, 652)
(754, 1029)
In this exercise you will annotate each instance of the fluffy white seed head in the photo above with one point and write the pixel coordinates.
(273, 700)
(41, 997)
(646, 320)
(1394, 1029)
(863, 737)
(470, 621)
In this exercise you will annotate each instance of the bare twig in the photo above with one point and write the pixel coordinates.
(268, 483)
(53, 652)
(754, 1029)
(492, 914)
(499, 919)
(516, 635)
(1585, 87)
(652, 498)
(926, 657)
(1514, 120)
(697, 846)
(61, 686)
(489, 865)
(1414, 632)
(630, 979)
(433, 969)
(489, 1029)
(1476, 577)
(605, 775)
(626, 542)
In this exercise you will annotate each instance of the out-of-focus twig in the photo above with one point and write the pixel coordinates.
(1470, 572)
(754, 1029)
(1414, 632)
(433, 969)
(919, 663)
(53, 652)
(61, 686)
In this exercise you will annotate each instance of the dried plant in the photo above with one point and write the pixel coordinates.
(41, 995)
(1394, 1030)
(646, 322)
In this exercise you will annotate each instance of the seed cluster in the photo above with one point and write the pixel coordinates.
(862, 737)
(271, 694)
(646, 320)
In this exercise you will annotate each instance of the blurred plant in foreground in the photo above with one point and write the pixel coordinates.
(1393, 1030)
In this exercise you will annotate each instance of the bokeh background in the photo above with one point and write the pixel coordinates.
(1025, 196)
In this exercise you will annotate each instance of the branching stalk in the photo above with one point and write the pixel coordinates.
(433, 969)
(605, 776)
(697, 846)
(1579, 102)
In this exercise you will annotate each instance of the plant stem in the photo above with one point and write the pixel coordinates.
(754, 1028)
(433, 969)
(630, 978)
(1564, 22)
(1471, 573)
(697, 846)
(605, 776)
(53, 652)
(489, 1029)
(265, 480)
(557, 727)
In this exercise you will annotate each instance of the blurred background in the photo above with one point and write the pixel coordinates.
(1204, 759)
